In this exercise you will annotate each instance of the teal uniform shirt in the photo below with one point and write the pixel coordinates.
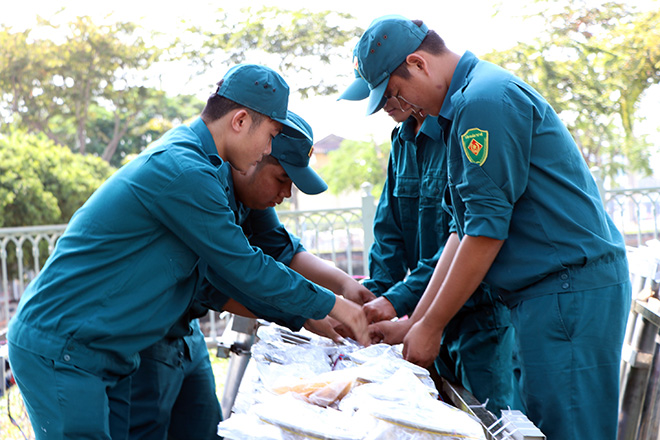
(173, 392)
(410, 226)
(516, 174)
(127, 265)
(410, 231)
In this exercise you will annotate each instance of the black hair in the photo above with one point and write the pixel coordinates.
(432, 43)
(218, 106)
(268, 160)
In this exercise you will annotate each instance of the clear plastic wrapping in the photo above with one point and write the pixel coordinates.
(311, 388)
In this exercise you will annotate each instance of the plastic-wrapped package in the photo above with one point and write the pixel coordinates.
(369, 353)
(402, 388)
(433, 421)
(248, 427)
(379, 362)
(322, 390)
(281, 362)
(304, 421)
(297, 362)
(405, 410)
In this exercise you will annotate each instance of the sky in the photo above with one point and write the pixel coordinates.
(465, 25)
(476, 25)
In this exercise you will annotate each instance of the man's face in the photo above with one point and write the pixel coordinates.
(416, 93)
(393, 109)
(255, 143)
(262, 186)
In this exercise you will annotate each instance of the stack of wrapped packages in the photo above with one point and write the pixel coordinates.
(308, 387)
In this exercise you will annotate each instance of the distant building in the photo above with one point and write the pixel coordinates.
(322, 148)
(300, 201)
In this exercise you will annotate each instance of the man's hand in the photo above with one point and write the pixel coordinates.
(324, 327)
(356, 292)
(352, 316)
(389, 332)
(422, 344)
(380, 309)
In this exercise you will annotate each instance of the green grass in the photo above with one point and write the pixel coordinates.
(8, 431)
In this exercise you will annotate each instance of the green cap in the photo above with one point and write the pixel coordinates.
(359, 89)
(382, 48)
(293, 153)
(261, 89)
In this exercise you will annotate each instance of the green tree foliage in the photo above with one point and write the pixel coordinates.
(43, 183)
(354, 163)
(298, 39)
(156, 112)
(83, 86)
(594, 65)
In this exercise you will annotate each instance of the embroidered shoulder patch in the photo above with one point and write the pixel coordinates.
(475, 145)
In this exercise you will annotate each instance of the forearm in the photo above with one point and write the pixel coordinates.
(320, 272)
(233, 306)
(439, 274)
(472, 260)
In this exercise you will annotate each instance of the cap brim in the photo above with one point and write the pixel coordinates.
(377, 97)
(357, 91)
(305, 178)
(292, 129)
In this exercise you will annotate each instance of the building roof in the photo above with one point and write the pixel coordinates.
(328, 144)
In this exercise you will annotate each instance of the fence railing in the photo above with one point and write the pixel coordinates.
(635, 212)
(343, 236)
(23, 250)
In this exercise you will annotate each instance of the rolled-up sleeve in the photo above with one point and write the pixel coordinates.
(490, 185)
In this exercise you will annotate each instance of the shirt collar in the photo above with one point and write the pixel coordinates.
(463, 69)
(208, 144)
(408, 129)
(431, 128)
(231, 195)
(240, 211)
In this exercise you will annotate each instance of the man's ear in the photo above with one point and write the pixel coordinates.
(417, 61)
(240, 120)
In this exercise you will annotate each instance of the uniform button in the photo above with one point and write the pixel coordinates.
(67, 357)
(180, 354)
(565, 286)
(564, 276)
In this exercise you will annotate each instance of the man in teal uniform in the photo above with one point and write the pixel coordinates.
(530, 222)
(126, 268)
(410, 230)
(173, 392)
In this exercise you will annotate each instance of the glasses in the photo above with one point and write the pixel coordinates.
(401, 101)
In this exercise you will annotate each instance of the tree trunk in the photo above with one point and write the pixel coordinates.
(118, 132)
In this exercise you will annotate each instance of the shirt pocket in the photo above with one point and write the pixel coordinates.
(432, 188)
(432, 214)
(406, 193)
(182, 263)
